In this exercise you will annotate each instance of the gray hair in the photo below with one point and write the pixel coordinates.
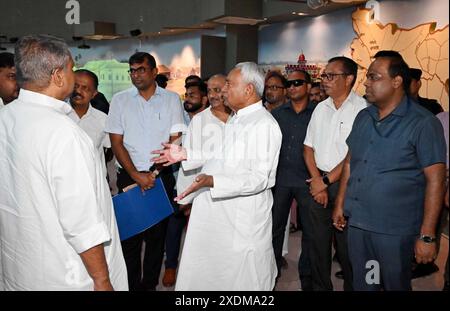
(252, 75)
(37, 57)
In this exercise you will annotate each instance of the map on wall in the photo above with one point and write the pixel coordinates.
(423, 47)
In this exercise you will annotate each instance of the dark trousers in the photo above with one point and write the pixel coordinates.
(145, 276)
(321, 243)
(283, 197)
(392, 254)
(177, 222)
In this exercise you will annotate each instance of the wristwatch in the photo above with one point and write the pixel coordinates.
(427, 239)
(326, 180)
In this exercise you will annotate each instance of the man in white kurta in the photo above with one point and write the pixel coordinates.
(54, 200)
(57, 226)
(228, 243)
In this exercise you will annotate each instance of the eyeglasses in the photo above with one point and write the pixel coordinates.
(330, 76)
(139, 70)
(298, 82)
(273, 87)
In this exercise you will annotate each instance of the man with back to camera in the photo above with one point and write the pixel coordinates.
(56, 207)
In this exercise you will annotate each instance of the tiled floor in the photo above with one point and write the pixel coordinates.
(289, 278)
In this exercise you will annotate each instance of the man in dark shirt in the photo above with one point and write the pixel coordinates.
(430, 104)
(293, 118)
(392, 181)
(274, 90)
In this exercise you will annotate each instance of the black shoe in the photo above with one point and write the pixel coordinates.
(339, 275)
(306, 283)
(422, 270)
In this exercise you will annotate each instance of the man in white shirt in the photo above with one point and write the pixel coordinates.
(91, 120)
(205, 133)
(57, 226)
(8, 85)
(139, 120)
(228, 243)
(324, 150)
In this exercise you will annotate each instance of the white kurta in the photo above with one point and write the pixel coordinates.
(228, 243)
(54, 201)
(205, 135)
(93, 123)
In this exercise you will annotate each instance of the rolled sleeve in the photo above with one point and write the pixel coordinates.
(113, 121)
(73, 177)
(310, 132)
(93, 236)
(430, 144)
(177, 124)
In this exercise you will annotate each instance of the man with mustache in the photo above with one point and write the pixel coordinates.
(393, 181)
(91, 120)
(324, 150)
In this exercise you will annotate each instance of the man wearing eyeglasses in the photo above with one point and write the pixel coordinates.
(393, 181)
(8, 85)
(139, 120)
(274, 90)
(293, 118)
(324, 150)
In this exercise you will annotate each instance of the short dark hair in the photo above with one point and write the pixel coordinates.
(415, 73)
(6, 60)
(89, 73)
(276, 74)
(397, 67)
(315, 84)
(349, 66)
(305, 73)
(140, 57)
(192, 77)
(202, 87)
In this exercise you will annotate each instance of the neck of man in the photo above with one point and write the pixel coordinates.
(386, 107)
(81, 110)
(148, 92)
(221, 112)
(48, 91)
(193, 113)
(300, 104)
(339, 100)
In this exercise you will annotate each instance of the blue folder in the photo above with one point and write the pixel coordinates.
(136, 211)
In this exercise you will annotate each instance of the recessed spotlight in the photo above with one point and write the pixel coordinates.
(294, 13)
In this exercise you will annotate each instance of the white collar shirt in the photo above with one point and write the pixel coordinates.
(329, 128)
(145, 124)
(93, 123)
